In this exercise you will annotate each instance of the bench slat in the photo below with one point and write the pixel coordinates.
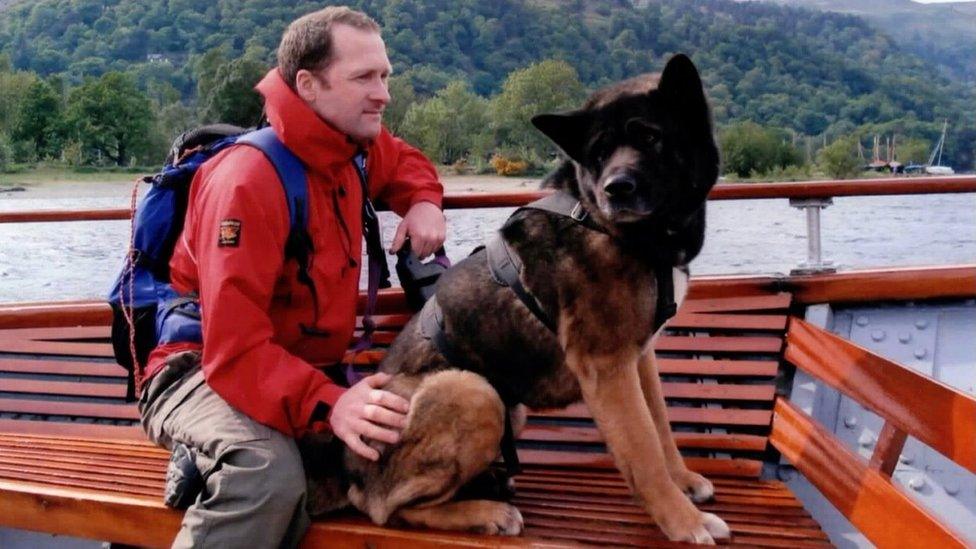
(562, 433)
(705, 466)
(59, 348)
(75, 409)
(708, 368)
(719, 344)
(764, 302)
(62, 367)
(693, 320)
(708, 416)
(63, 388)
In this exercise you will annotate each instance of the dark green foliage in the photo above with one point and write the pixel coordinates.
(232, 99)
(39, 121)
(748, 148)
(811, 72)
(110, 118)
(839, 159)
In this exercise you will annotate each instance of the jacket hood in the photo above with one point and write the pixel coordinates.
(313, 140)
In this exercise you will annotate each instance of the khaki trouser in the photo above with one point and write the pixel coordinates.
(255, 488)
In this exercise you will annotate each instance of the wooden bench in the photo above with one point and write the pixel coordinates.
(74, 461)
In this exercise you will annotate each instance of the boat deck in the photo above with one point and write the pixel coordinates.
(67, 437)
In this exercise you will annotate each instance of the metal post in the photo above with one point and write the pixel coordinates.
(814, 263)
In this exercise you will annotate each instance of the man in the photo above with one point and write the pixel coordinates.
(241, 408)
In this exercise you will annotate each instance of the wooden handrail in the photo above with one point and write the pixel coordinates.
(722, 191)
(898, 283)
(945, 420)
(881, 510)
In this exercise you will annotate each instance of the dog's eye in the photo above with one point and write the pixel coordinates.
(643, 131)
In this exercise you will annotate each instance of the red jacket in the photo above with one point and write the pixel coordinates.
(256, 355)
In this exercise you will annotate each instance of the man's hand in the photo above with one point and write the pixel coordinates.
(424, 226)
(365, 410)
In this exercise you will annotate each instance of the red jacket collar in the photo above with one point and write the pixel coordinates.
(317, 143)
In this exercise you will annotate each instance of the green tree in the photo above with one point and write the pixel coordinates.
(749, 148)
(14, 89)
(912, 150)
(6, 152)
(839, 159)
(110, 117)
(450, 125)
(402, 97)
(549, 86)
(40, 120)
(232, 99)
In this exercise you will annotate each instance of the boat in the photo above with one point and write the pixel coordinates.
(829, 407)
(934, 165)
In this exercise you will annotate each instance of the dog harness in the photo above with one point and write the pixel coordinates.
(505, 268)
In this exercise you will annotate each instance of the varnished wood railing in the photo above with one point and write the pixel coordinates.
(940, 416)
(722, 191)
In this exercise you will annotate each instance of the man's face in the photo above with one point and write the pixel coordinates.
(352, 92)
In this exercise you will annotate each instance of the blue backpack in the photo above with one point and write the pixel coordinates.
(146, 309)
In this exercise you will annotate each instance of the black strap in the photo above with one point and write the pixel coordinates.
(505, 268)
(565, 205)
(665, 308)
(432, 328)
(371, 224)
(509, 450)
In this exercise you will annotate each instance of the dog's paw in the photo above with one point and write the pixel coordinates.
(500, 519)
(709, 529)
(681, 521)
(695, 486)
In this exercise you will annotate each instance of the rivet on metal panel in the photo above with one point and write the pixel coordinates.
(850, 422)
(785, 473)
(904, 337)
(866, 440)
(921, 352)
(907, 458)
(916, 483)
(878, 335)
(862, 320)
(951, 488)
(921, 323)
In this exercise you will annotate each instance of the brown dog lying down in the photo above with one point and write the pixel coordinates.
(642, 161)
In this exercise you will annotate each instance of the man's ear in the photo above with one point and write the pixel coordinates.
(567, 130)
(305, 85)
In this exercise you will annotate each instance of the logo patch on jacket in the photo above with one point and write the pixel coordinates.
(230, 233)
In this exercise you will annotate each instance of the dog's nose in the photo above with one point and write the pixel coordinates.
(619, 185)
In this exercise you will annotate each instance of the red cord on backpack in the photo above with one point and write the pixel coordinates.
(130, 272)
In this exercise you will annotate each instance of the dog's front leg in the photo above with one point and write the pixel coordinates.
(611, 388)
(696, 486)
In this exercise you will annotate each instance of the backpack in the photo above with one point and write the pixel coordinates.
(146, 309)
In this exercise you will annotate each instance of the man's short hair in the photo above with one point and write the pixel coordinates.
(307, 42)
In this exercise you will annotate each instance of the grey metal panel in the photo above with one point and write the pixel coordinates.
(937, 339)
(22, 539)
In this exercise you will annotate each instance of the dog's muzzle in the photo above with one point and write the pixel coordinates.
(620, 186)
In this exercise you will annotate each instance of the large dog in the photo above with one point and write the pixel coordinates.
(642, 161)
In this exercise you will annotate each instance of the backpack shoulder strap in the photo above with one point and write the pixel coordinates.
(290, 170)
(293, 177)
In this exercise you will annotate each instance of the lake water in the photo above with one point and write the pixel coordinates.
(79, 260)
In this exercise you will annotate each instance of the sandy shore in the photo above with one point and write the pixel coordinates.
(123, 187)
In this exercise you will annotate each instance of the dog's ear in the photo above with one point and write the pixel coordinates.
(567, 130)
(681, 86)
